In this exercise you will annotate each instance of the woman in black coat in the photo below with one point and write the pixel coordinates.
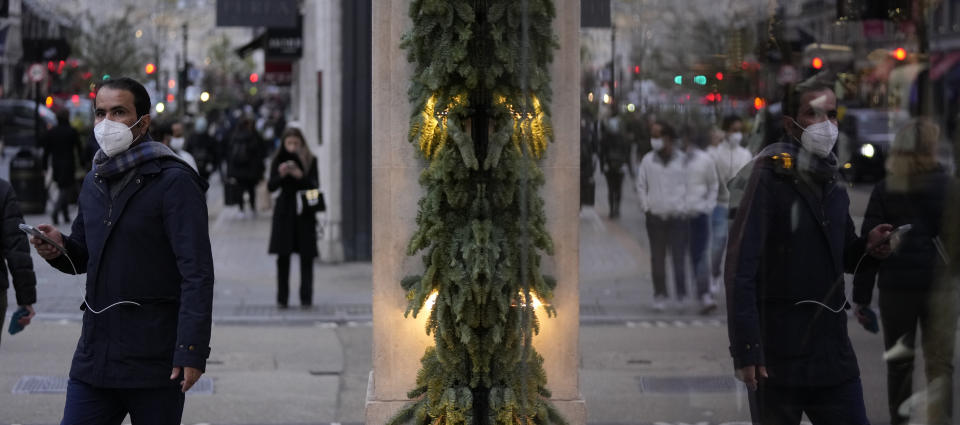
(912, 291)
(293, 169)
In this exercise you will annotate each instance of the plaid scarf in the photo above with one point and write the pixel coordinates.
(121, 163)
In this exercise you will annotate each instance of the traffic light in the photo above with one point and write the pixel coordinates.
(254, 78)
(700, 79)
(170, 98)
(816, 63)
(636, 69)
(678, 80)
(719, 76)
(759, 103)
(900, 53)
(150, 68)
(172, 84)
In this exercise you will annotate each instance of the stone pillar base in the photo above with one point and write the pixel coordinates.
(378, 412)
(331, 245)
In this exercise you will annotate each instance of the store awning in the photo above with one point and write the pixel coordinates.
(258, 42)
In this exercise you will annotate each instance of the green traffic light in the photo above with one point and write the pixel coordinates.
(106, 77)
(700, 79)
(678, 80)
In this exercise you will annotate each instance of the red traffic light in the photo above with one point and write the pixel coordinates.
(759, 103)
(900, 53)
(254, 77)
(636, 69)
(711, 97)
(817, 63)
(150, 68)
(170, 98)
(719, 76)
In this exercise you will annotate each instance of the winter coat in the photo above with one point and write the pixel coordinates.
(916, 263)
(662, 186)
(292, 232)
(700, 196)
(62, 144)
(790, 244)
(246, 153)
(15, 249)
(729, 160)
(150, 244)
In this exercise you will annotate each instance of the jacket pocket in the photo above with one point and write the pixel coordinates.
(149, 331)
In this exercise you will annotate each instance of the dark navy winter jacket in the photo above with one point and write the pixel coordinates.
(149, 245)
(791, 243)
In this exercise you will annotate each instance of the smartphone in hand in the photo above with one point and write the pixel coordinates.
(15, 326)
(32, 231)
(871, 324)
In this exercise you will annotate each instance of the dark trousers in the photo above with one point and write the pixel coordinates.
(614, 191)
(664, 234)
(283, 280)
(87, 404)
(249, 188)
(936, 314)
(699, 235)
(837, 405)
(62, 205)
(3, 310)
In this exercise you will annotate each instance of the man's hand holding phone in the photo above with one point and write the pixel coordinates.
(44, 248)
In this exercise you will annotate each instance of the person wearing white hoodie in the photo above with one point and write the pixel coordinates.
(729, 156)
(700, 200)
(661, 186)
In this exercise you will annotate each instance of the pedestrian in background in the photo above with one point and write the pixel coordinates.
(700, 200)
(171, 135)
(912, 290)
(245, 161)
(16, 258)
(729, 156)
(614, 156)
(587, 162)
(61, 151)
(661, 186)
(141, 236)
(203, 148)
(294, 229)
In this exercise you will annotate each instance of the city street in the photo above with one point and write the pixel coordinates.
(311, 366)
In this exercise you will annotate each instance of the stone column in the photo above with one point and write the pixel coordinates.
(398, 343)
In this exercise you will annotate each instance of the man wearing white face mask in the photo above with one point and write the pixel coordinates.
(172, 136)
(141, 237)
(661, 186)
(790, 244)
(729, 156)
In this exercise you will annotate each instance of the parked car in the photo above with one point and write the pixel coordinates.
(16, 121)
(865, 138)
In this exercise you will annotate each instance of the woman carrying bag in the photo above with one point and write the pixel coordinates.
(293, 170)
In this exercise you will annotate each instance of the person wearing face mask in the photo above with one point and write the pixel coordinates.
(661, 186)
(790, 244)
(172, 136)
(730, 156)
(141, 238)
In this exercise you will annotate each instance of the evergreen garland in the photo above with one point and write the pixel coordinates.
(480, 65)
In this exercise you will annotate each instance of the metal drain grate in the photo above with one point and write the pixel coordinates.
(687, 384)
(58, 385)
(40, 385)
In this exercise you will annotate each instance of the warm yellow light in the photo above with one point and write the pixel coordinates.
(606, 98)
(205, 96)
(590, 97)
(631, 107)
(868, 150)
(139, 33)
(431, 300)
(160, 107)
(847, 166)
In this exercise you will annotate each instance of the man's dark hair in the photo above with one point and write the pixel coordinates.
(63, 117)
(164, 129)
(667, 130)
(793, 92)
(728, 122)
(141, 99)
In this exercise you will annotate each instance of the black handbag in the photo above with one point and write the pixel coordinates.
(310, 201)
